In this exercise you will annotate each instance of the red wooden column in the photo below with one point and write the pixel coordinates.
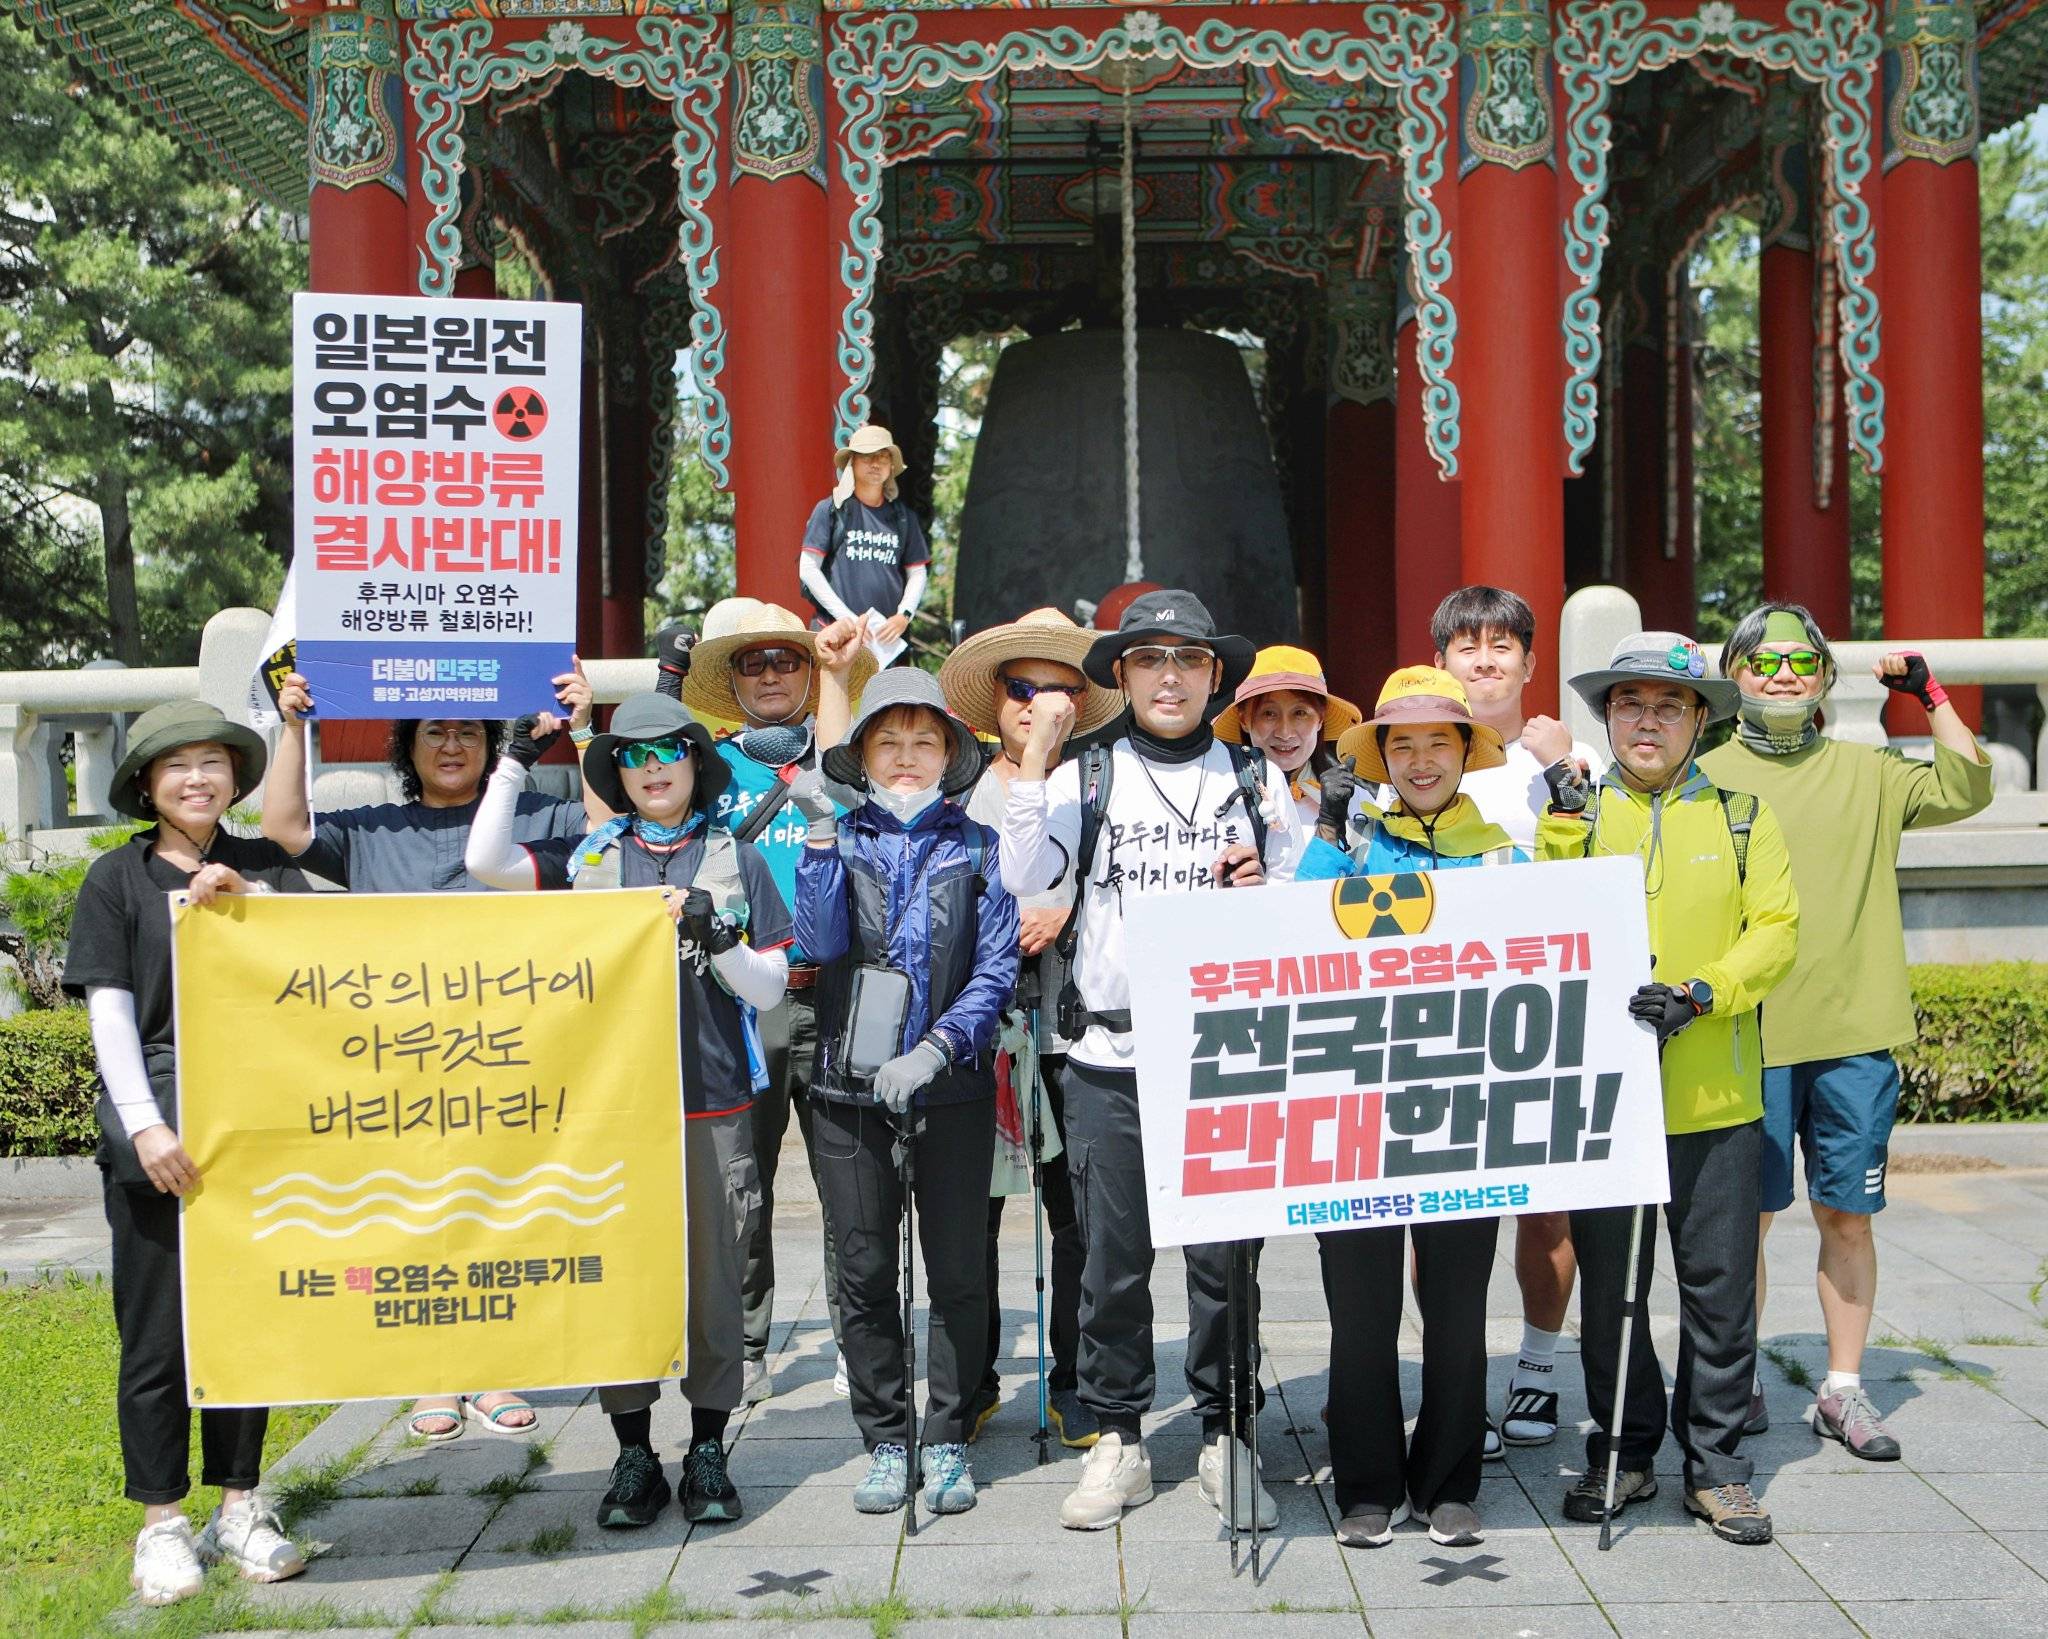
(779, 294)
(1805, 445)
(1510, 376)
(1933, 362)
(1656, 450)
(1358, 487)
(1427, 527)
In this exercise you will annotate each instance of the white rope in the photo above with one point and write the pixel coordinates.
(1134, 554)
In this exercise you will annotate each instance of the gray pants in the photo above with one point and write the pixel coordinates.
(724, 1191)
(789, 1040)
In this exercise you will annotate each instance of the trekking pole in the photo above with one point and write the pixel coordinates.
(1036, 1141)
(1628, 1325)
(906, 1178)
(1250, 1284)
(1230, 1349)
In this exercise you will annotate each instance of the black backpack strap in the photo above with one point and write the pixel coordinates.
(1739, 808)
(1246, 767)
(772, 802)
(1096, 765)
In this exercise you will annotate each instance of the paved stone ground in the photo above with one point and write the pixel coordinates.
(497, 1535)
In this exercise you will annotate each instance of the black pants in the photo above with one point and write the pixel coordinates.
(1363, 1273)
(1063, 1304)
(789, 1041)
(1106, 1159)
(864, 1195)
(1713, 1225)
(154, 1412)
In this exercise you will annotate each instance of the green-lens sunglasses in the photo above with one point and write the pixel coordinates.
(1766, 662)
(639, 753)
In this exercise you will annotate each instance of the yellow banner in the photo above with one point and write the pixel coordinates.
(440, 1140)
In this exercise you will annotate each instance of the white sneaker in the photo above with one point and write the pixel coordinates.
(247, 1535)
(840, 1386)
(1212, 1473)
(755, 1383)
(1114, 1476)
(166, 1563)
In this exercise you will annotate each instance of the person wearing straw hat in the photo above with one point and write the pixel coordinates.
(1421, 741)
(1286, 711)
(186, 766)
(755, 665)
(897, 899)
(1155, 805)
(864, 550)
(1724, 931)
(656, 771)
(993, 682)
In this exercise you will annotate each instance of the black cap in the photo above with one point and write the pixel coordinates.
(1169, 615)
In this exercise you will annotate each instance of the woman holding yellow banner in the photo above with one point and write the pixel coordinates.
(186, 765)
(659, 772)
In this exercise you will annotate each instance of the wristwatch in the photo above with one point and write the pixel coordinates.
(1702, 996)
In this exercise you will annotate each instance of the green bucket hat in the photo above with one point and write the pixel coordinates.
(653, 717)
(178, 723)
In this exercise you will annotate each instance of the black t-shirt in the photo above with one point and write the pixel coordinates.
(876, 549)
(121, 936)
(716, 1080)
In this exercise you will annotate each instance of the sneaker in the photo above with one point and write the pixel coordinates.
(1530, 1418)
(166, 1563)
(637, 1494)
(1454, 1525)
(1490, 1449)
(840, 1386)
(887, 1482)
(985, 1404)
(1850, 1416)
(1759, 1418)
(1588, 1496)
(1074, 1422)
(1372, 1525)
(707, 1490)
(948, 1481)
(1114, 1476)
(248, 1536)
(1733, 1512)
(1212, 1473)
(756, 1384)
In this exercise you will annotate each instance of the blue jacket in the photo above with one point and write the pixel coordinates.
(913, 899)
(1383, 853)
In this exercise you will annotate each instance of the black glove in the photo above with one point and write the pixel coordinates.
(1667, 1009)
(706, 928)
(672, 646)
(1567, 786)
(1340, 784)
(1916, 680)
(525, 747)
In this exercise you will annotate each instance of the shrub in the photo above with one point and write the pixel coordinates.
(47, 1084)
(1983, 1048)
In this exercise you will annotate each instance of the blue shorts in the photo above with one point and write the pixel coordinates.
(1840, 1111)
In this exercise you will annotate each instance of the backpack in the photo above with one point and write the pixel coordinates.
(1738, 808)
(835, 537)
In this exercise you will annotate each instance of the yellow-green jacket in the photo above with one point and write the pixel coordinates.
(1740, 935)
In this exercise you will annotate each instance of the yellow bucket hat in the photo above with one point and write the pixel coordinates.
(1283, 667)
(1420, 694)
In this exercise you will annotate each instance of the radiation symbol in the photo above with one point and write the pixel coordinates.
(1371, 907)
(520, 413)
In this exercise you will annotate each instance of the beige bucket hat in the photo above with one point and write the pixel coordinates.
(970, 672)
(871, 440)
(734, 625)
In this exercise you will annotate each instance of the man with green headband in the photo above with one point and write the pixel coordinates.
(1830, 1083)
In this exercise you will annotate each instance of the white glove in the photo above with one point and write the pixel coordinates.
(808, 796)
(899, 1081)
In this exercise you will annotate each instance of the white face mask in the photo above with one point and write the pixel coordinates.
(905, 805)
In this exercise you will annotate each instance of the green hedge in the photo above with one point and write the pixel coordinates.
(47, 1084)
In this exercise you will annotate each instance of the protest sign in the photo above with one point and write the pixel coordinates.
(440, 1137)
(1413, 1048)
(435, 453)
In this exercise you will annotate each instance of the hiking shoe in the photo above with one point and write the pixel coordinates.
(1530, 1418)
(756, 1384)
(248, 1536)
(707, 1491)
(1114, 1476)
(840, 1386)
(1490, 1449)
(1733, 1512)
(948, 1481)
(637, 1493)
(1850, 1416)
(1371, 1525)
(1212, 1473)
(166, 1563)
(1585, 1500)
(1074, 1422)
(986, 1403)
(887, 1482)
(1454, 1525)
(1759, 1418)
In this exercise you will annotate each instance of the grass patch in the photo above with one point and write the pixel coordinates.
(66, 1531)
(2040, 1285)
(505, 1487)
(1001, 1610)
(1789, 1364)
(1952, 1369)
(556, 1539)
(1996, 1340)
(427, 1485)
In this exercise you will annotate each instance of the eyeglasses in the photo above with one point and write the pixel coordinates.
(1024, 692)
(468, 736)
(1768, 662)
(1667, 712)
(1154, 657)
(787, 662)
(639, 753)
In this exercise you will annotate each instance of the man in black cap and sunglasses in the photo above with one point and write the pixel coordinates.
(1158, 805)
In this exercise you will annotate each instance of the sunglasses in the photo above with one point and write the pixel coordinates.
(786, 662)
(1152, 657)
(639, 753)
(1023, 692)
(1768, 662)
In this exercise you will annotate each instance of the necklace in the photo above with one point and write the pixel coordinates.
(1194, 808)
(201, 850)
